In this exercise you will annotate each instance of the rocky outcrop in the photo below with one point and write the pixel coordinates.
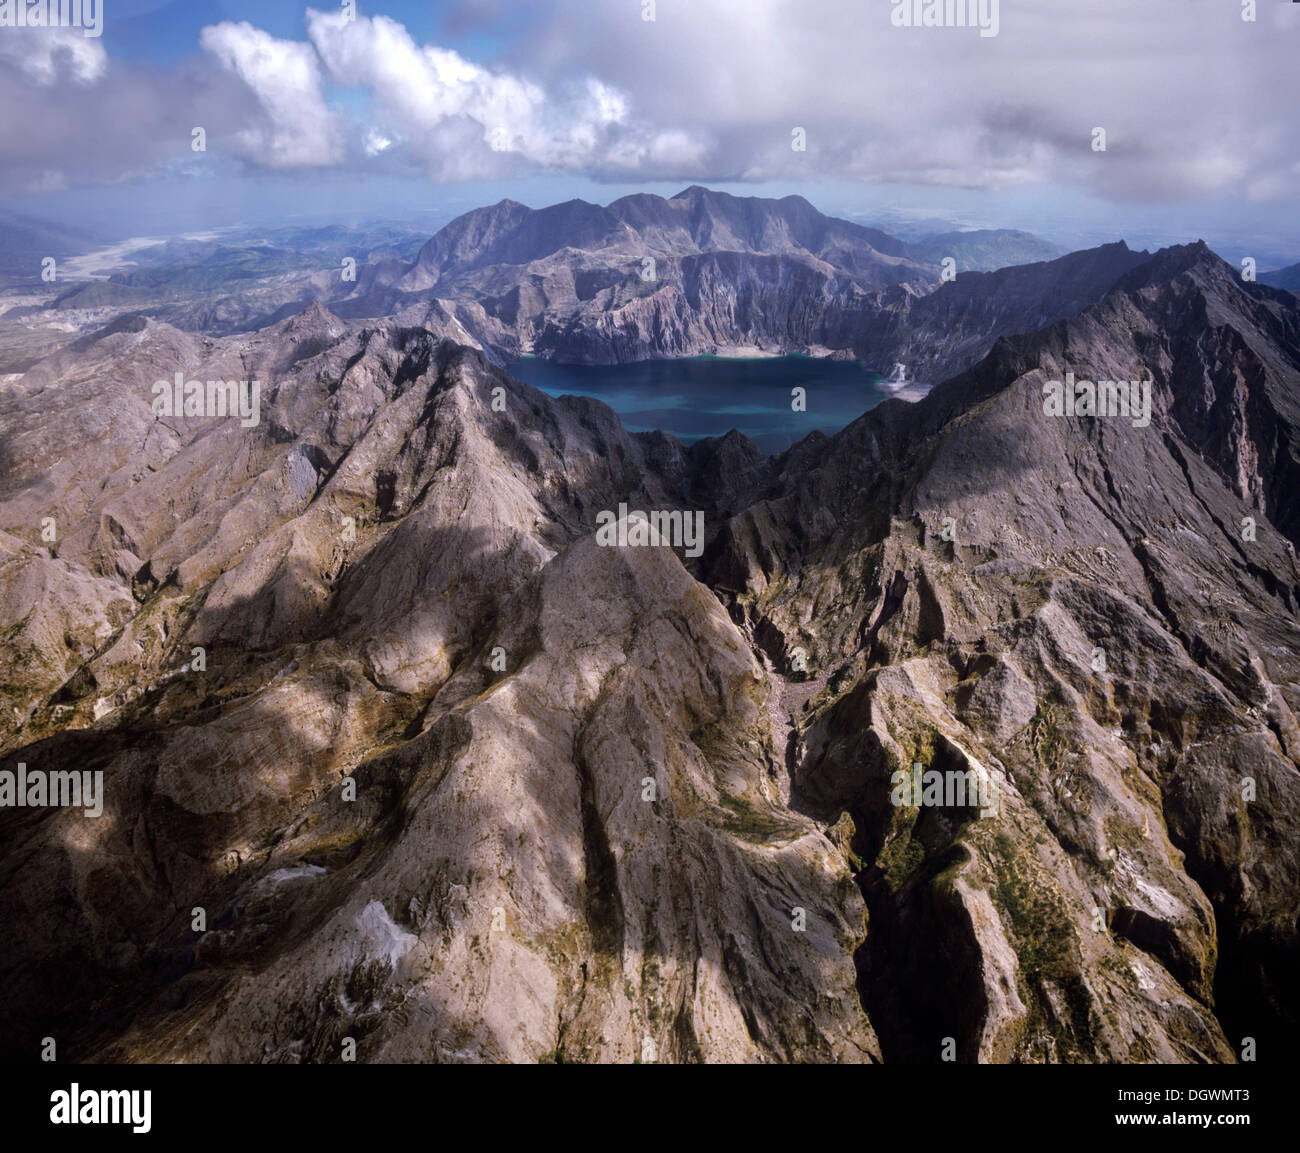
(1075, 607)
(567, 840)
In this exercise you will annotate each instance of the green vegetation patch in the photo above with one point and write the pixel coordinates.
(752, 822)
(1043, 933)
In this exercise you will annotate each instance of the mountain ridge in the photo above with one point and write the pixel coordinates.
(930, 584)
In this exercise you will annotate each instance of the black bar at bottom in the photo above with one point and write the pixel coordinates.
(351, 1102)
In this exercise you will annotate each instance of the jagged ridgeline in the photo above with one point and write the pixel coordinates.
(709, 273)
(396, 752)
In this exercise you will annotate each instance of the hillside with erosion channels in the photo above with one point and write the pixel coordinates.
(446, 776)
(644, 277)
(706, 273)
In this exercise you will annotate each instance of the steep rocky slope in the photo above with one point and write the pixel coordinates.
(498, 888)
(707, 273)
(939, 334)
(1098, 631)
(452, 780)
(645, 277)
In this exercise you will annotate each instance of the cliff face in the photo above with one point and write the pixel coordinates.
(942, 333)
(706, 304)
(453, 780)
(646, 277)
(707, 273)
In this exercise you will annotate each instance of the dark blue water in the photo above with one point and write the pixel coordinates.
(703, 396)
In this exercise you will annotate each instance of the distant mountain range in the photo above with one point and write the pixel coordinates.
(645, 277)
(983, 249)
(25, 241)
(695, 222)
(708, 273)
(1288, 278)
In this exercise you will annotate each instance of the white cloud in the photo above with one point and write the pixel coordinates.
(49, 55)
(1195, 100)
(465, 120)
(77, 121)
(297, 127)
(376, 142)
(1197, 103)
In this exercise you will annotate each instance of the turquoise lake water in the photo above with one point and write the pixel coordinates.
(694, 397)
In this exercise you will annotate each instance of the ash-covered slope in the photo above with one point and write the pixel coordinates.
(1075, 606)
(567, 839)
(459, 783)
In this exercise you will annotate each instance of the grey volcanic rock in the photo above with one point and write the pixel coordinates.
(942, 333)
(693, 222)
(1095, 633)
(365, 648)
(727, 273)
(447, 777)
(530, 904)
(712, 303)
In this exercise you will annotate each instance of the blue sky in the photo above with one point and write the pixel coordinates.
(423, 110)
(163, 32)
